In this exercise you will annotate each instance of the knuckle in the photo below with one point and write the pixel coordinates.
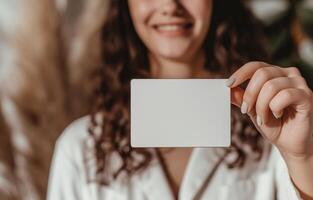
(256, 63)
(262, 73)
(270, 86)
(287, 94)
(294, 70)
(301, 81)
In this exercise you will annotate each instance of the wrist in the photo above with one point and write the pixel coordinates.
(300, 162)
(303, 158)
(300, 170)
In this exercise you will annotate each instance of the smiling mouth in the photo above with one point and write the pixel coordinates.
(173, 29)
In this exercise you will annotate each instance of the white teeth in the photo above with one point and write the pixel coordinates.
(170, 27)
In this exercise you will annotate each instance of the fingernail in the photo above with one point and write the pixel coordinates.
(229, 82)
(244, 107)
(278, 115)
(259, 120)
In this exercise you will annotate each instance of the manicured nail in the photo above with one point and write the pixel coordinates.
(259, 120)
(278, 115)
(229, 82)
(244, 107)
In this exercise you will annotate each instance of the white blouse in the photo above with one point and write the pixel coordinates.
(206, 176)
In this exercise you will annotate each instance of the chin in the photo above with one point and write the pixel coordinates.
(177, 53)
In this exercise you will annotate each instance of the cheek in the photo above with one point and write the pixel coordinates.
(200, 7)
(201, 11)
(140, 11)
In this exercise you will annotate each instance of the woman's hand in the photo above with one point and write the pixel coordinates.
(280, 104)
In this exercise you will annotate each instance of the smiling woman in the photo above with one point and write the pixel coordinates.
(208, 49)
(183, 39)
(172, 31)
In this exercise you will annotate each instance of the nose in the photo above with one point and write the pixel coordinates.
(171, 7)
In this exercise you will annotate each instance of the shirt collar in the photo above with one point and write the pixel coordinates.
(200, 168)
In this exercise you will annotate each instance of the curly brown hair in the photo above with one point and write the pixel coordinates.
(235, 37)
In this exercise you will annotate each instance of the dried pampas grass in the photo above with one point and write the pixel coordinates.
(48, 84)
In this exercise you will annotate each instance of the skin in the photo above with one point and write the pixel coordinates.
(180, 48)
(271, 91)
(172, 53)
(283, 103)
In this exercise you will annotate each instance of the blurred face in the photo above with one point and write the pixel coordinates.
(172, 29)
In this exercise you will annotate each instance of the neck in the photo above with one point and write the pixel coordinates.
(169, 68)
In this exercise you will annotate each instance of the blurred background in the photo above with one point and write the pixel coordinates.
(49, 51)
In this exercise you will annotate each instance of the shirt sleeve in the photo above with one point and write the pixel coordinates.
(65, 181)
(286, 190)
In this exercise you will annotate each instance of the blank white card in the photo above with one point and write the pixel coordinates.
(180, 113)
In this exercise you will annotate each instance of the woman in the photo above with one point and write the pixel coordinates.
(189, 39)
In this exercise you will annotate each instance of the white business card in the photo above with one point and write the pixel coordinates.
(180, 113)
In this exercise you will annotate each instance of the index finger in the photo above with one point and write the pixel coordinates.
(244, 73)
